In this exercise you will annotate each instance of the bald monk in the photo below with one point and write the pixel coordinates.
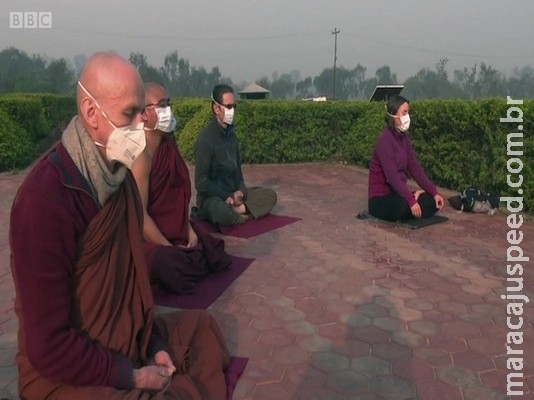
(87, 328)
(178, 253)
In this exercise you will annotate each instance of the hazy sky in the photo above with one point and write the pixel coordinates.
(249, 39)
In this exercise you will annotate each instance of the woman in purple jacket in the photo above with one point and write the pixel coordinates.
(393, 158)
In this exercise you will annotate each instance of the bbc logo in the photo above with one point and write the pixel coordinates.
(30, 20)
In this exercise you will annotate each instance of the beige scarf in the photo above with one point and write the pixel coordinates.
(92, 166)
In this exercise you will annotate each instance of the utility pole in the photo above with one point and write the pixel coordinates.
(335, 32)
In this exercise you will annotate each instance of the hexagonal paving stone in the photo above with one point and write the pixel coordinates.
(264, 370)
(348, 382)
(496, 380)
(266, 324)
(413, 369)
(487, 345)
(480, 392)
(432, 356)
(297, 292)
(458, 376)
(403, 293)
(436, 390)
(438, 317)
(330, 361)
(276, 338)
(389, 324)
(309, 305)
(314, 343)
(390, 351)
(432, 296)
(410, 339)
(353, 348)
(371, 334)
(291, 355)
(304, 376)
(373, 310)
(322, 318)
(447, 343)
(356, 321)
(386, 301)
(461, 329)
(318, 393)
(452, 307)
(289, 315)
(418, 304)
(475, 318)
(371, 366)
(473, 360)
(302, 327)
(425, 328)
(406, 313)
(392, 388)
(273, 390)
(337, 330)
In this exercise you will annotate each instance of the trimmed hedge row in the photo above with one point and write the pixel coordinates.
(459, 142)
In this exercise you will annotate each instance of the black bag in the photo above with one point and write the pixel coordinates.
(475, 200)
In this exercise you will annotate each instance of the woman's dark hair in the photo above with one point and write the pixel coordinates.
(392, 107)
(219, 91)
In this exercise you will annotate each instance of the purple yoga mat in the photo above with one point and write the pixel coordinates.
(207, 290)
(252, 227)
(232, 374)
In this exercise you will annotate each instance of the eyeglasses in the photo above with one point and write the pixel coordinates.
(160, 104)
(227, 106)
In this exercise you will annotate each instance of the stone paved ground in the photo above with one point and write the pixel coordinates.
(338, 308)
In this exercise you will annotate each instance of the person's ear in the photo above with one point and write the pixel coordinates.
(88, 111)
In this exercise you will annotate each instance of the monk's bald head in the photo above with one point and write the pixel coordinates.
(107, 77)
(154, 92)
(114, 91)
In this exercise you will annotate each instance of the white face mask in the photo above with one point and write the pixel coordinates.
(228, 116)
(404, 123)
(125, 144)
(166, 120)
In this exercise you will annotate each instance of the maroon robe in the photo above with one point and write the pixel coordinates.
(177, 269)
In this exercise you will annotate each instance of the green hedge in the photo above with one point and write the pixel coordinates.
(17, 149)
(39, 114)
(459, 142)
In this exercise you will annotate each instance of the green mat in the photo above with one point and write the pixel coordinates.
(414, 223)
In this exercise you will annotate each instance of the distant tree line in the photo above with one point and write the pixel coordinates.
(20, 72)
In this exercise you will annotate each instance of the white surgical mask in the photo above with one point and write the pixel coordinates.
(404, 122)
(125, 144)
(166, 120)
(228, 116)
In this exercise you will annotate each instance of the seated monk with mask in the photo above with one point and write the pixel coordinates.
(179, 253)
(87, 328)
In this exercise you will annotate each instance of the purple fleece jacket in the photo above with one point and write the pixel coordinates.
(393, 157)
(50, 214)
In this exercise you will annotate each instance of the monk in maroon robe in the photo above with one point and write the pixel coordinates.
(178, 252)
(87, 327)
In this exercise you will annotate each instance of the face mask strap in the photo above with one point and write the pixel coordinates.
(97, 105)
